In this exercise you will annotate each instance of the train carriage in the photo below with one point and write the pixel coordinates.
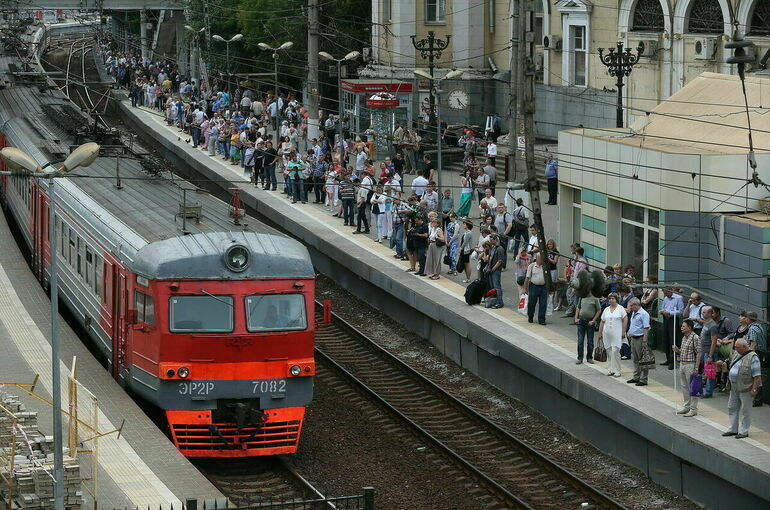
(213, 324)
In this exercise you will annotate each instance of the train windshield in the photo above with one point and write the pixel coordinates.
(201, 314)
(275, 312)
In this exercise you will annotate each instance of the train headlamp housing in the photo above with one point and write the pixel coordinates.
(296, 370)
(183, 372)
(237, 258)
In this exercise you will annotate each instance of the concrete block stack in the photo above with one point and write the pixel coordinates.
(33, 463)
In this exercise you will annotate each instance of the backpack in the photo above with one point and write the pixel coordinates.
(520, 218)
(762, 336)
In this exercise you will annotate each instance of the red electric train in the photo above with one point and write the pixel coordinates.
(213, 324)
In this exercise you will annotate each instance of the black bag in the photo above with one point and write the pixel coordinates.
(440, 243)
(447, 260)
(475, 291)
(625, 351)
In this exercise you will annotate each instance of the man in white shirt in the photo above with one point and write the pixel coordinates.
(316, 149)
(430, 197)
(491, 151)
(360, 159)
(419, 184)
(245, 105)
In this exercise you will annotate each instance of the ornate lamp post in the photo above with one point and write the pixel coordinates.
(619, 64)
(430, 48)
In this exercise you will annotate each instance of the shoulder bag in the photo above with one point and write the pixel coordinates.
(600, 353)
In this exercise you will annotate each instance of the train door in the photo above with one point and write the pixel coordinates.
(120, 330)
(34, 225)
(42, 241)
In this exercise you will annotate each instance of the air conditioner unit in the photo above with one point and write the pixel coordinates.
(552, 42)
(705, 48)
(648, 47)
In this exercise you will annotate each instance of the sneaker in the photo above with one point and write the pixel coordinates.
(682, 410)
(501, 306)
(691, 413)
(614, 375)
(579, 362)
(590, 361)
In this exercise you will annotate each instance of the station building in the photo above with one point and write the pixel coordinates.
(682, 39)
(672, 193)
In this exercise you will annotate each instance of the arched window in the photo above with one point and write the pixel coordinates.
(760, 18)
(648, 17)
(705, 18)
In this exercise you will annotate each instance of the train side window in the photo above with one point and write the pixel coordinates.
(149, 310)
(71, 252)
(139, 298)
(98, 275)
(63, 239)
(81, 262)
(89, 266)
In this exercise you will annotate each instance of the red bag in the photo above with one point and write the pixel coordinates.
(710, 370)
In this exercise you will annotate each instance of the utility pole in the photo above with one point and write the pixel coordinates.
(513, 108)
(430, 48)
(313, 32)
(525, 100)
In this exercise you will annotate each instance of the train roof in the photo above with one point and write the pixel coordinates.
(140, 222)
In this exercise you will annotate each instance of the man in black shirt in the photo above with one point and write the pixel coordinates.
(420, 240)
(398, 164)
(269, 162)
(259, 164)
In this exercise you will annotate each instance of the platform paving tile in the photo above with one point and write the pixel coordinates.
(557, 336)
(141, 467)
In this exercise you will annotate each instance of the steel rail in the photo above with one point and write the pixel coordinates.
(573, 480)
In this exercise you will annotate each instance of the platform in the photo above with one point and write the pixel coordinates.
(141, 468)
(533, 363)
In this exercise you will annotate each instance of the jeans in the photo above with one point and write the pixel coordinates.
(585, 331)
(270, 180)
(297, 186)
(318, 186)
(519, 236)
(495, 281)
(538, 296)
(347, 211)
(553, 186)
(708, 384)
(397, 238)
(362, 217)
(504, 243)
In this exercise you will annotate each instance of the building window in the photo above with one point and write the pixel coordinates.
(577, 215)
(145, 308)
(435, 11)
(639, 237)
(578, 44)
(705, 18)
(648, 17)
(760, 18)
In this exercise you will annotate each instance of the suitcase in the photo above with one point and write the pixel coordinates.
(475, 291)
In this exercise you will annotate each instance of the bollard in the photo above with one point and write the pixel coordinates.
(327, 310)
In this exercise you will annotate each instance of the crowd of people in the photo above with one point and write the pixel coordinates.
(266, 135)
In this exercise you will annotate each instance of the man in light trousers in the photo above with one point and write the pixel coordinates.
(745, 379)
(638, 329)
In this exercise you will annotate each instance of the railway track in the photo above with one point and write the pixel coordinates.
(510, 473)
(256, 481)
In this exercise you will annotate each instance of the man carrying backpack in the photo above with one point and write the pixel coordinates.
(519, 225)
(504, 225)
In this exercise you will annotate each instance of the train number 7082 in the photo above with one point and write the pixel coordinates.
(271, 386)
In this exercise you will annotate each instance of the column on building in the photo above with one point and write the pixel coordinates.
(403, 28)
(468, 34)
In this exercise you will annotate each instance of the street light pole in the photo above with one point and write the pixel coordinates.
(196, 52)
(235, 38)
(619, 64)
(436, 82)
(266, 47)
(350, 56)
(19, 161)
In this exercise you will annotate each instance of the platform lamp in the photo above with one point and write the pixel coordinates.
(350, 56)
(19, 162)
(196, 52)
(436, 82)
(265, 47)
(235, 38)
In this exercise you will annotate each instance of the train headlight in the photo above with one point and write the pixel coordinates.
(237, 258)
(183, 372)
(295, 370)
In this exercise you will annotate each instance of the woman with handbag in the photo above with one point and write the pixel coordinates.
(466, 249)
(453, 235)
(436, 244)
(688, 358)
(612, 331)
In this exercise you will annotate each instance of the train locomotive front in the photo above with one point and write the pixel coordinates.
(220, 336)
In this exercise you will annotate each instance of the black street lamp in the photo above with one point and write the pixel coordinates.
(619, 64)
(430, 48)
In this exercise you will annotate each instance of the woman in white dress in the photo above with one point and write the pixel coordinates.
(612, 330)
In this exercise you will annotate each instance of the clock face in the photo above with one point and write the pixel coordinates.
(458, 99)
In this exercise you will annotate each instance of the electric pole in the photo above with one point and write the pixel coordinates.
(514, 104)
(312, 65)
(525, 102)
